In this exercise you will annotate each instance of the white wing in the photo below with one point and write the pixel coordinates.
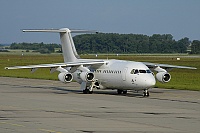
(166, 66)
(67, 64)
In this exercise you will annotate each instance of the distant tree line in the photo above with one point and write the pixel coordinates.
(3, 48)
(195, 48)
(130, 43)
(120, 43)
(37, 47)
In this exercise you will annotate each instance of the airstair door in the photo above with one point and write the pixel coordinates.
(124, 74)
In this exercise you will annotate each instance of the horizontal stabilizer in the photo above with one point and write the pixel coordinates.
(63, 30)
(84, 31)
(44, 30)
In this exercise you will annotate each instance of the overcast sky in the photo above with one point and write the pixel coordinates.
(181, 18)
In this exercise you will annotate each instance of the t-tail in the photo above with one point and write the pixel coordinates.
(68, 48)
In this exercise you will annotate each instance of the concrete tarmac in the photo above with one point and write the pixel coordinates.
(44, 106)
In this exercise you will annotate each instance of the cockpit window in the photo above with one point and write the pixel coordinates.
(136, 71)
(142, 71)
(149, 71)
(132, 71)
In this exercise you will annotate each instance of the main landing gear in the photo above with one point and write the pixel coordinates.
(146, 93)
(87, 91)
(121, 91)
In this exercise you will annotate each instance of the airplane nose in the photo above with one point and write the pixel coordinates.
(150, 82)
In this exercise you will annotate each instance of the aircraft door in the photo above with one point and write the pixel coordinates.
(124, 74)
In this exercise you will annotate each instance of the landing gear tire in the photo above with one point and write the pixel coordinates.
(145, 93)
(87, 91)
(119, 91)
(124, 91)
(84, 91)
(90, 92)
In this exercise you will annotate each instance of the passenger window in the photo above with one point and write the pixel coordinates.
(136, 71)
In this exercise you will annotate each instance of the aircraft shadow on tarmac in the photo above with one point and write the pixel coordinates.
(104, 92)
(65, 90)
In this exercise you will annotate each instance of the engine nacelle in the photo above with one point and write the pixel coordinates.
(163, 77)
(87, 76)
(65, 77)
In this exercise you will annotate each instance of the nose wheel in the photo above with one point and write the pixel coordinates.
(146, 93)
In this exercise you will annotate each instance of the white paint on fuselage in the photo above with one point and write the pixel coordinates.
(116, 74)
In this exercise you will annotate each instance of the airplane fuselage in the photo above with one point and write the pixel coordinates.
(123, 75)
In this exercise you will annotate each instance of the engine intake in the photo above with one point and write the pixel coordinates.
(163, 77)
(65, 77)
(87, 76)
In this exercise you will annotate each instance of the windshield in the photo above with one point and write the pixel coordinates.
(142, 71)
(136, 71)
(149, 71)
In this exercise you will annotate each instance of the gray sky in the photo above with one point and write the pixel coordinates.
(181, 18)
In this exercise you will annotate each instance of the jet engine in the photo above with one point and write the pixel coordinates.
(87, 76)
(163, 77)
(65, 77)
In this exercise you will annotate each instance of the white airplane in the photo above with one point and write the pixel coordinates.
(102, 74)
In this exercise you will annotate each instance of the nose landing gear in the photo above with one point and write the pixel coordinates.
(146, 93)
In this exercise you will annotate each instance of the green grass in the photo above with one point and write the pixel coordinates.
(18, 60)
(181, 78)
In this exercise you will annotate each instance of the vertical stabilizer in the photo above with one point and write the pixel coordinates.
(68, 48)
